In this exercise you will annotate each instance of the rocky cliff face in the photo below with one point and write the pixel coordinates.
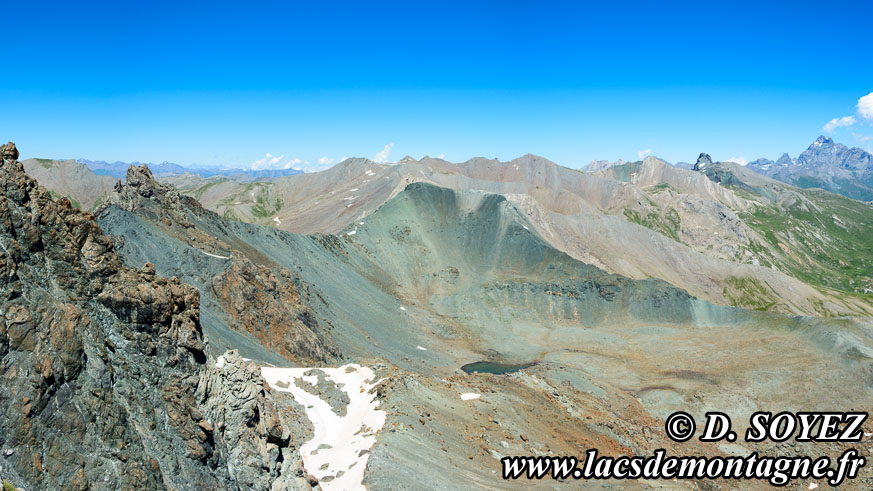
(104, 378)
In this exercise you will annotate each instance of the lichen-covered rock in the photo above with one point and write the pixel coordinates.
(100, 364)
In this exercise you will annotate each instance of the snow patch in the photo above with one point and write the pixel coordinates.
(403, 309)
(469, 396)
(340, 444)
(422, 348)
(276, 219)
(214, 255)
(219, 363)
(353, 232)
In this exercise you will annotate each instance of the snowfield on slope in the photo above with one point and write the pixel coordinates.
(338, 452)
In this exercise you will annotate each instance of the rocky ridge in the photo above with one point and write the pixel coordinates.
(104, 372)
(251, 293)
(643, 219)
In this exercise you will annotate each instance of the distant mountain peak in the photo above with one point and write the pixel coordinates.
(822, 140)
(702, 161)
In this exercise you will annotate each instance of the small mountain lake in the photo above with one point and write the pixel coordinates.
(493, 367)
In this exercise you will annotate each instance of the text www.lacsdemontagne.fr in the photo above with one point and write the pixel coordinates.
(778, 471)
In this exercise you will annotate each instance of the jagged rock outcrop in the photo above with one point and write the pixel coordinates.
(702, 161)
(258, 433)
(99, 362)
(142, 194)
(8, 151)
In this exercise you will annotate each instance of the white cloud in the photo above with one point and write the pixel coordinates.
(382, 157)
(291, 163)
(865, 106)
(268, 162)
(441, 156)
(737, 160)
(644, 153)
(843, 122)
(273, 162)
(325, 161)
(862, 138)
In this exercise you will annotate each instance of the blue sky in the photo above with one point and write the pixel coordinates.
(228, 83)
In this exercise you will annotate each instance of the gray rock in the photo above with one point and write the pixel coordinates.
(702, 161)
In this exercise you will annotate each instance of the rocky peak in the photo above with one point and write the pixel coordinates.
(821, 141)
(825, 153)
(8, 151)
(785, 159)
(762, 162)
(655, 162)
(702, 161)
(140, 193)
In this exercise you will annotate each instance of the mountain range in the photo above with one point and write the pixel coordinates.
(133, 337)
(118, 170)
(643, 219)
(827, 165)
